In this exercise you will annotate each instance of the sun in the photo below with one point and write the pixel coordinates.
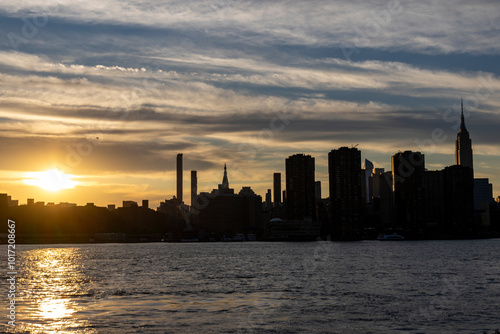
(51, 180)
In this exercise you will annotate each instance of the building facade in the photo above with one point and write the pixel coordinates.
(344, 171)
(300, 188)
(408, 192)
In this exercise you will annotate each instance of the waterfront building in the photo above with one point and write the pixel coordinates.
(408, 191)
(300, 188)
(344, 170)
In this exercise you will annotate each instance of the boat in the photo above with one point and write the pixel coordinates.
(393, 236)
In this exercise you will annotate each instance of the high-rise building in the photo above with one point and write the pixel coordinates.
(227, 213)
(434, 194)
(408, 186)
(179, 177)
(194, 186)
(463, 145)
(483, 198)
(483, 193)
(386, 200)
(344, 171)
(374, 182)
(300, 203)
(224, 186)
(365, 184)
(458, 199)
(277, 189)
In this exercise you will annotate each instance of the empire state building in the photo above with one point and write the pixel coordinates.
(463, 144)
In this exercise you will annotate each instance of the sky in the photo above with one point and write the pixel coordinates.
(110, 91)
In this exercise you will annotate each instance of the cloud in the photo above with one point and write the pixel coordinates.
(426, 27)
(246, 82)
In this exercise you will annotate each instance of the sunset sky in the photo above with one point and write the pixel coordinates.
(110, 91)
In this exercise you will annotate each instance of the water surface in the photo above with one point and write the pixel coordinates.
(258, 287)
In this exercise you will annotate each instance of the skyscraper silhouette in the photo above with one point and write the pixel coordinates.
(194, 186)
(277, 189)
(300, 203)
(459, 199)
(225, 182)
(223, 188)
(463, 144)
(408, 186)
(179, 177)
(344, 171)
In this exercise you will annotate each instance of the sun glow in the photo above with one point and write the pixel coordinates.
(51, 180)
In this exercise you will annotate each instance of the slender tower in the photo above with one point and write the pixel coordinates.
(277, 189)
(194, 186)
(179, 177)
(463, 144)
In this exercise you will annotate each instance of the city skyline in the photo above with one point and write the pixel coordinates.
(112, 95)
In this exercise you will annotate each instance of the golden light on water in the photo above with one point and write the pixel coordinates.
(51, 180)
(55, 309)
(49, 290)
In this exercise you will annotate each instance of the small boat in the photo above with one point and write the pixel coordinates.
(393, 236)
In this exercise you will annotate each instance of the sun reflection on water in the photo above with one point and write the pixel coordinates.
(50, 283)
(55, 309)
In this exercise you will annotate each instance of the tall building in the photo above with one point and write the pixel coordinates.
(463, 145)
(227, 213)
(483, 198)
(408, 187)
(374, 182)
(365, 184)
(386, 200)
(194, 186)
(483, 193)
(459, 199)
(344, 171)
(434, 194)
(224, 186)
(277, 189)
(179, 177)
(300, 188)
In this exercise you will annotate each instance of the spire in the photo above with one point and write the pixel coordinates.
(462, 121)
(225, 182)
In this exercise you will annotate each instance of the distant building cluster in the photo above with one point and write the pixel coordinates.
(363, 203)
